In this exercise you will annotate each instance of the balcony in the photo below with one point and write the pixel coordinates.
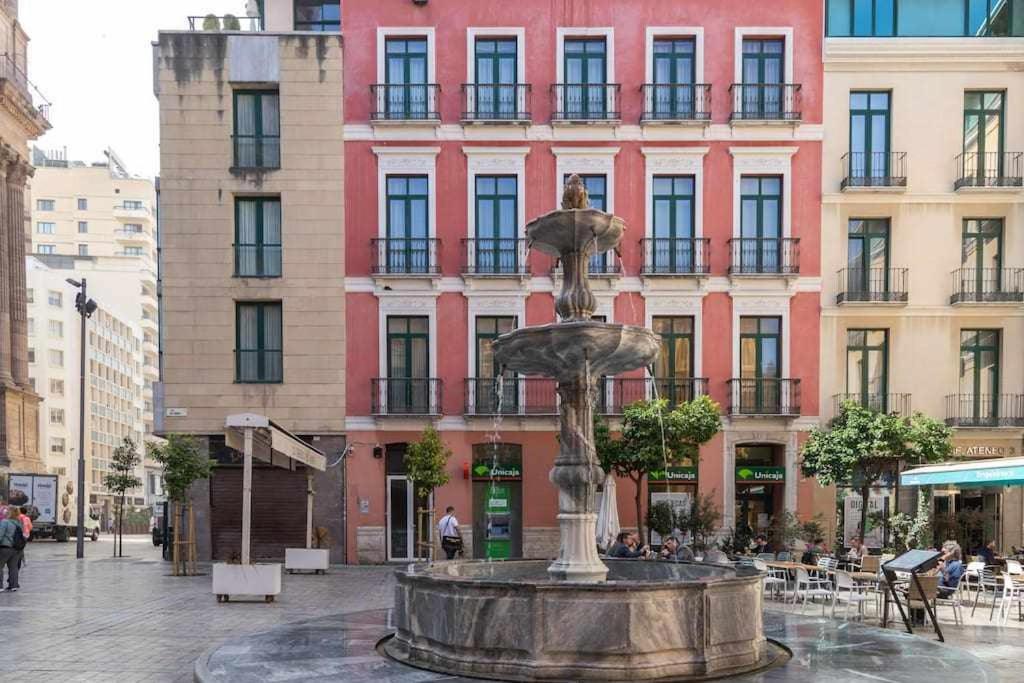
(585, 103)
(131, 210)
(878, 402)
(600, 265)
(676, 256)
(987, 286)
(765, 103)
(871, 286)
(764, 396)
(14, 78)
(989, 170)
(405, 103)
(496, 103)
(764, 256)
(676, 103)
(228, 22)
(487, 397)
(985, 410)
(256, 152)
(132, 236)
(403, 396)
(615, 394)
(876, 171)
(489, 257)
(410, 257)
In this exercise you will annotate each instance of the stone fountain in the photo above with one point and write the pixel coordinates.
(579, 618)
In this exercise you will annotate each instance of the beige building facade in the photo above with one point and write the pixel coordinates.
(252, 259)
(23, 117)
(923, 250)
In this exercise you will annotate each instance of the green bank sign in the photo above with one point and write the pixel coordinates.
(760, 475)
(674, 474)
(487, 472)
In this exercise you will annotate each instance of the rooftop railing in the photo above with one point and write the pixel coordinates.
(225, 22)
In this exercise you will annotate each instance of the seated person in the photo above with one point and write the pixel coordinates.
(672, 550)
(760, 545)
(813, 552)
(952, 569)
(857, 550)
(627, 545)
(988, 553)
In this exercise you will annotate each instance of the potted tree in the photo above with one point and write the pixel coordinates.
(182, 464)
(426, 466)
(120, 481)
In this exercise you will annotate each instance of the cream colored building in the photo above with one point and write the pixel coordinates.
(100, 212)
(923, 245)
(252, 253)
(114, 372)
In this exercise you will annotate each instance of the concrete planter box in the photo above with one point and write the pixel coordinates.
(306, 559)
(261, 580)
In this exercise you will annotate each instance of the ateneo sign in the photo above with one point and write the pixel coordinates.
(746, 474)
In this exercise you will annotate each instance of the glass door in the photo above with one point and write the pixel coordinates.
(586, 73)
(496, 244)
(867, 368)
(869, 135)
(496, 96)
(674, 367)
(408, 246)
(981, 258)
(983, 136)
(760, 224)
(409, 389)
(673, 250)
(763, 78)
(760, 366)
(867, 258)
(674, 75)
(406, 74)
(401, 514)
(979, 375)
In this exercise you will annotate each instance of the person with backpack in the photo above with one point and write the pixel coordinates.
(12, 544)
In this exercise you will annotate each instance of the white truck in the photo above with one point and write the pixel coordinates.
(51, 508)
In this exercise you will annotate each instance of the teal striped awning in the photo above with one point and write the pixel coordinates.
(998, 472)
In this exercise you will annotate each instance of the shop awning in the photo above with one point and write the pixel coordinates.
(998, 472)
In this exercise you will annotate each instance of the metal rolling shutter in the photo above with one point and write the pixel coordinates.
(278, 512)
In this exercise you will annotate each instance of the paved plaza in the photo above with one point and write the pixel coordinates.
(101, 618)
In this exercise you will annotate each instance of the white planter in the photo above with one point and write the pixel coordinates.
(263, 580)
(309, 559)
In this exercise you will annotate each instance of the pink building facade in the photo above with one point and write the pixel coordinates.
(698, 124)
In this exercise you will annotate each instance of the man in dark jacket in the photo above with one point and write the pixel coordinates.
(627, 546)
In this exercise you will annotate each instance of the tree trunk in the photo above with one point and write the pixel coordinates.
(120, 527)
(864, 492)
(639, 517)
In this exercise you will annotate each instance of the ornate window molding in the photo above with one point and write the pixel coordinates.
(494, 161)
(674, 161)
(406, 161)
(763, 161)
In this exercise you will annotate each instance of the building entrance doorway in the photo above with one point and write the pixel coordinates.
(403, 511)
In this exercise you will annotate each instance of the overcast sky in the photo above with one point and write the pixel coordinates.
(93, 60)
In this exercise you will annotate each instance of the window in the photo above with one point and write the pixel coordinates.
(55, 299)
(869, 135)
(867, 256)
(672, 222)
(317, 15)
(132, 251)
(760, 364)
(586, 72)
(83, 204)
(979, 375)
(597, 191)
(134, 228)
(259, 342)
(408, 224)
(497, 199)
(56, 416)
(56, 329)
(31, 326)
(83, 249)
(45, 204)
(496, 94)
(867, 370)
(760, 243)
(673, 95)
(487, 330)
(46, 228)
(763, 89)
(258, 237)
(408, 94)
(257, 129)
(408, 364)
(133, 205)
(981, 259)
(83, 226)
(56, 444)
(46, 249)
(924, 18)
(674, 367)
(57, 387)
(983, 137)
(56, 358)
(31, 355)
(30, 295)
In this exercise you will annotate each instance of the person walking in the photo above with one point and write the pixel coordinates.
(11, 536)
(451, 535)
(26, 529)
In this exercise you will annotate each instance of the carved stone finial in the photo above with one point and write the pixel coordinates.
(575, 195)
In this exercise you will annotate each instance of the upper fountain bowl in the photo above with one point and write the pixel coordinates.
(575, 231)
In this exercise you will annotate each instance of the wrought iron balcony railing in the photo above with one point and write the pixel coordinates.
(871, 285)
(14, 73)
(989, 169)
(874, 170)
(765, 101)
(676, 256)
(764, 256)
(985, 410)
(405, 102)
(405, 256)
(987, 286)
(486, 396)
(600, 265)
(676, 103)
(584, 102)
(496, 102)
(879, 402)
(495, 257)
(764, 396)
(615, 394)
(405, 396)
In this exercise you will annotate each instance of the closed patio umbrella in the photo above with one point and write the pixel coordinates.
(608, 515)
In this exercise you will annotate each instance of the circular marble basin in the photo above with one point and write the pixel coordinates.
(650, 621)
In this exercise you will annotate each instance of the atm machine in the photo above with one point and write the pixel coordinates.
(497, 502)
(498, 522)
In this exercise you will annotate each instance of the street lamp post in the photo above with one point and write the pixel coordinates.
(86, 307)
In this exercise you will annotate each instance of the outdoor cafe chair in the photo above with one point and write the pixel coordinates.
(1013, 567)
(989, 583)
(811, 587)
(767, 557)
(972, 575)
(854, 593)
(929, 592)
(775, 581)
(954, 600)
(871, 563)
(1012, 593)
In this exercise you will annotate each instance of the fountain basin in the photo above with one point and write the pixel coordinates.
(650, 621)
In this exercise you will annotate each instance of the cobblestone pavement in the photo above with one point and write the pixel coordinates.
(128, 620)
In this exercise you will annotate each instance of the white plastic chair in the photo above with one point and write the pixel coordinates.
(856, 593)
(972, 575)
(1012, 593)
(811, 587)
(990, 583)
(773, 582)
(1013, 567)
(954, 600)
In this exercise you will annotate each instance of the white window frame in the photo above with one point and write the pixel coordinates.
(496, 161)
(406, 304)
(763, 305)
(742, 32)
(678, 304)
(513, 305)
(586, 161)
(406, 161)
(385, 32)
(657, 32)
(517, 32)
(570, 32)
(687, 161)
(50, 224)
(747, 161)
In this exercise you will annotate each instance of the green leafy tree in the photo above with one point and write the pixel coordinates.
(183, 464)
(661, 518)
(426, 462)
(861, 445)
(120, 481)
(654, 436)
(700, 520)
